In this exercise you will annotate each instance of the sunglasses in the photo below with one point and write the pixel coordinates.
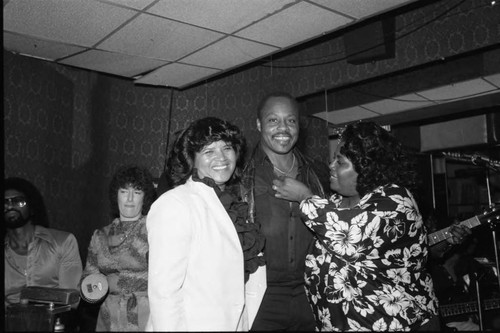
(15, 201)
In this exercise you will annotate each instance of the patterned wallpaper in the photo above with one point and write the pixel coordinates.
(68, 129)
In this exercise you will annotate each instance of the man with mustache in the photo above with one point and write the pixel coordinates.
(35, 255)
(285, 305)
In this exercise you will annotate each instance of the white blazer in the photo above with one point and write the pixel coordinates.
(196, 274)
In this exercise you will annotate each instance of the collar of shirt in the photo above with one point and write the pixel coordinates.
(261, 158)
(40, 232)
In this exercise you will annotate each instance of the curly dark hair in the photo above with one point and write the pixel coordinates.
(137, 177)
(378, 157)
(199, 134)
(33, 196)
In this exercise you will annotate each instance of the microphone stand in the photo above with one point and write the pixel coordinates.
(488, 165)
(495, 247)
(493, 231)
(479, 302)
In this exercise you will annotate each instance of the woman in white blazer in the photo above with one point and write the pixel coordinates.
(202, 251)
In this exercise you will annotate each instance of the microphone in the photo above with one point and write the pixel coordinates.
(458, 156)
(475, 159)
(480, 160)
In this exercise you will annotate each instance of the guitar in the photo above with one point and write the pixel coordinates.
(468, 307)
(491, 215)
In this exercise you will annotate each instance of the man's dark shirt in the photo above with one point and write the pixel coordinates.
(287, 238)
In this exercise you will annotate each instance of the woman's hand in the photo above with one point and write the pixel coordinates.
(290, 189)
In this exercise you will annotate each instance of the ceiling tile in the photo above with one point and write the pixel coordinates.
(176, 75)
(137, 4)
(113, 63)
(38, 48)
(398, 104)
(74, 22)
(460, 90)
(130, 37)
(361, 8)
(343, 116)
(282, 29)
(229, 53)
(221, 15)
(493, 79)
(155, 37)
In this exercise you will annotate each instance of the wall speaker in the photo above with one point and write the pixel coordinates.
(463, 132)
(370, 42)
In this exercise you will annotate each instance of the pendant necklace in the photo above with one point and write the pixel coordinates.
(118, 235)
(285, 173)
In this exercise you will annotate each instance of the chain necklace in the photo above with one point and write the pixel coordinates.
(119, 232)
(288, 172)
(13, 258)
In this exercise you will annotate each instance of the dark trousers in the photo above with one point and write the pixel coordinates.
(284, 309)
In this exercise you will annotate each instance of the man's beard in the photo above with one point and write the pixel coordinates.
(14, 221)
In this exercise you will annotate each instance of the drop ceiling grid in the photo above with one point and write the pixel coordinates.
(295, 24)
(419, 100)
(346, 115)
(146, 36)
(225, 16)
(469, 88)
(136, 4)
(361, 8)
(398, 104)
(228, 53)
(493, 79)
(78, 22)
(113, 63)
(176, 75)
(38, 47)
(132, 37)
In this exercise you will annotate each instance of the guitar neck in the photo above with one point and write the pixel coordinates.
(468, 307)
(443, 234)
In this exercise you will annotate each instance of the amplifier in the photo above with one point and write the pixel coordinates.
(50, 295)
(37, 317)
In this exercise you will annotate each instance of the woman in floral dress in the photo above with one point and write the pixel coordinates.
(119, 251)
(366, 270)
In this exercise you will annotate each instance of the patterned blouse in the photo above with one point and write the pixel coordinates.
(119, 251)
(367, 268)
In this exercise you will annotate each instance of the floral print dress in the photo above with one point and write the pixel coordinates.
(120, 251)
(367, 269)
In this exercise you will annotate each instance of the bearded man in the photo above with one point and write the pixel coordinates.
(35, 255)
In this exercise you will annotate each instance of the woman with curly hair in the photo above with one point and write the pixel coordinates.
(203, 250)
(118, 253)
(366, 271)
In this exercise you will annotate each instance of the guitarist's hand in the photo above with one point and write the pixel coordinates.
(459, 233)
(464, 325)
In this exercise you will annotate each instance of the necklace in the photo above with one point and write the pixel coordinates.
(283, 172)
(19, 262)
(120, 232)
